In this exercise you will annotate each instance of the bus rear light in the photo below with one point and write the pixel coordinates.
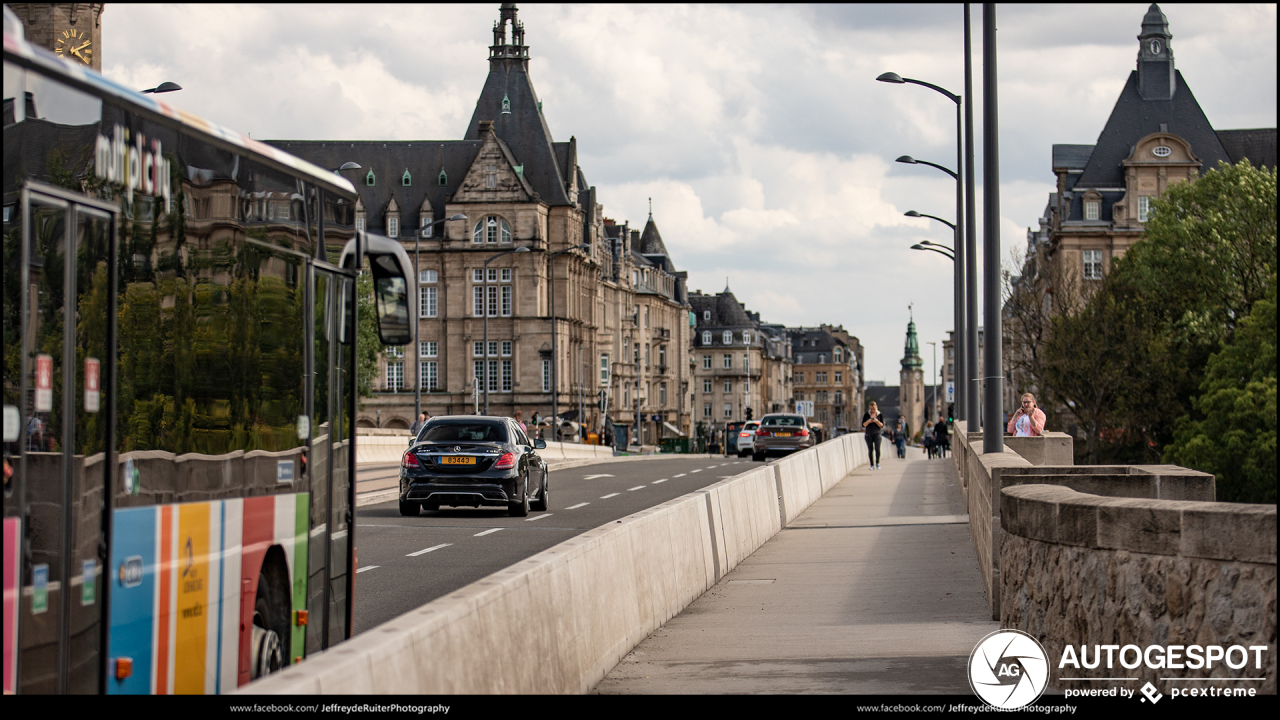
(124, 668)
(300, 617)
(506, 462)
(410, 461)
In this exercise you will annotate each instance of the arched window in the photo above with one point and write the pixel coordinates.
(492, 229)
(706, 337)
(728, 337)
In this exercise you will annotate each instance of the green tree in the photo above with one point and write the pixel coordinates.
(1234, 435)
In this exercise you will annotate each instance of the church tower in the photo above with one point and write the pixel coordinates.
(72, 30)
(911, 382)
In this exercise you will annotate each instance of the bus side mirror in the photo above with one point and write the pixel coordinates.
(393, 304)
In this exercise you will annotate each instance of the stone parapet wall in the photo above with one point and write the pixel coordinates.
(1084, 570)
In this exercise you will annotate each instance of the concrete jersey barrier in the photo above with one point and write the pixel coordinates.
(558, 621)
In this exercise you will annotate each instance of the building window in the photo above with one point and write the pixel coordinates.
(506, 274)
(493, 300)
(430, 374)
(493, 348)
(646, 355)
(546, 376)
(428, 348)
(706, 314)
(706, 410)
(604, 370)
(506, 376)
(1144, 208)
(1162, 151)
(442, 179)
(477, 348)
(427, 302)
(493, 376)
(490, 178)
(728, 410)
(728, 386)
(427, 276)
(727, 337)
(406, 179)
(491, 230)
(425, 228)
(506, 301)
(395, 351)
(1092, 264)
(746, 337)
(506, 348)
(1091, 210)
(477, 300)
(646, 316)
(369, 179)
(799, 377)
(839, 378)
(359, 224)
(395, 376)
(662, 356)
(706, 337)
(706, 386)
(662, 395)
(728, 361)
(706, 362)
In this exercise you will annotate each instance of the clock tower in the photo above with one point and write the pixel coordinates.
(1156, 79)
(72, 30)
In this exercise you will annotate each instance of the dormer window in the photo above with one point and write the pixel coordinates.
(406, 179)
(425, 224)
(706, 315)
(1091, 210)
(369, 179)
(443, 178)
(506, 105)
(728, 337)
(706, 337)
(393, 227)
(746, 337)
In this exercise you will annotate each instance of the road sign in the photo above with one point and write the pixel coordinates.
(951, 391)
(804, 407)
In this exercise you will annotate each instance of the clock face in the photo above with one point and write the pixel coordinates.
(73, 44)
(1155, 47)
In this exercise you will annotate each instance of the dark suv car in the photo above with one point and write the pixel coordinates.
(469, 461)
(781, 434)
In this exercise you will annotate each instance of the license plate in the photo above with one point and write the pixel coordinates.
(457, 460)
(784, 434)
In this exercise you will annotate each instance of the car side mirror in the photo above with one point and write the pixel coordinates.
(412, 440)
(539, 444)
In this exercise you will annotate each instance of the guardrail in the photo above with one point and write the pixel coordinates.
(558, 621)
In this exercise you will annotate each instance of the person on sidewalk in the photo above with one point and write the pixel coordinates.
(940, 440)
(927, 438)
(417, 424)
(872, 424)
(1028, 420)
(900, 439)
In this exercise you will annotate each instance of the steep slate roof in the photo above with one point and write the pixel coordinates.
(1259, 146)
(1133, 118)
(1071, 157)
(806, 344)
(523, 128)
(423, 158)
(726, 311)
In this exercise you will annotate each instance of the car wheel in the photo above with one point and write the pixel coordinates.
(432, 506)
(521, 508)
(758, 457)
(543, 502)
(408, 508)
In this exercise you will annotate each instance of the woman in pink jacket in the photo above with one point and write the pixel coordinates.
(1028, 420)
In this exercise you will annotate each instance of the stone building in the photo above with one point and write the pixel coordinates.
(911, 389)
(825, 372)
(486, 298)
(72, 30)
(738, 367)
(1157, 135)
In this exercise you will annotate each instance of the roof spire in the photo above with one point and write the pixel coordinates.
(1156, 78)
(650, 208)
(500, 49)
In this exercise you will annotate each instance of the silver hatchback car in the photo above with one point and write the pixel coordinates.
(781, 434)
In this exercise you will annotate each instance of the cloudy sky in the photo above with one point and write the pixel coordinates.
(759, 131)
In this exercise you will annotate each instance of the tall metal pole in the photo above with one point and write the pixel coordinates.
(957, 270)
(417, 353)
(970, 376)
(555, 358)
(993, 433)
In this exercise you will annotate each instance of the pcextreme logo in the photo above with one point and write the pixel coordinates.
(1008, 669)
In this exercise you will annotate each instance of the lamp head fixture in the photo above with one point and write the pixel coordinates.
(911, 213)
(907, 159)
(891, 77)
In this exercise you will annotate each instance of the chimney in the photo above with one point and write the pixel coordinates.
(486, 127)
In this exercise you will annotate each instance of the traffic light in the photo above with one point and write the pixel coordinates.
(748, 413)
(951, 412)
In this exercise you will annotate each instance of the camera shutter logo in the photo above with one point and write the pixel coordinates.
(1008, 669)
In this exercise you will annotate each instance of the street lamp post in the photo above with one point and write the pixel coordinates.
(960, 252)
(485, 307)
(935, 378)
(417, 351)
(555, 350)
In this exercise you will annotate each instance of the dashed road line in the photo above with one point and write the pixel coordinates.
(544, 515)
(635, 488)
(486, 532)
(698, 470)
(682, 474)
(606, 497)
(427, 550)
(367, 567)
(575, 507)
(655, 482)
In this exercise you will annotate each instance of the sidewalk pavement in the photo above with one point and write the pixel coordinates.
(874, 589)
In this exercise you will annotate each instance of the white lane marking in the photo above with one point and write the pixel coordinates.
(427, 550)
(486, 532)
(655, 482)
(682, 474)
(593, 477)
(544, 515)
(575, 507)
(367, 567)
(713, 467)
(634, 488)
(606, 497)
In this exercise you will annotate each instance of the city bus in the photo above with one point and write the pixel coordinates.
(179, 324)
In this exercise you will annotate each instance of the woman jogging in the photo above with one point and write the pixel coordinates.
(872, 424)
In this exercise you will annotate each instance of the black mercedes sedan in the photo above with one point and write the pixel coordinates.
(470, 461)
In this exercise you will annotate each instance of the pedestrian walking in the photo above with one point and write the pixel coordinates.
(872, 424)
(416, 427)
(900, 439)
(927, 438)
(520, 421)
(941, 441)
(1028, 420)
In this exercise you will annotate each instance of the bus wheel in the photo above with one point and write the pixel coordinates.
(266, 653)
